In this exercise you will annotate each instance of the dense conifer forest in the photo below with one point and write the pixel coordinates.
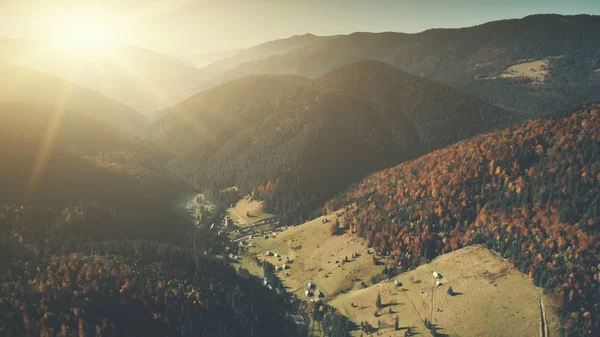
(297, 142)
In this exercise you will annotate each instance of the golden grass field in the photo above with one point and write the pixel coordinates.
(255, 208)
(495, 299)
(536, 70)
(311, 253)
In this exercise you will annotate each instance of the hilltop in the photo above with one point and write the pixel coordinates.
(261, 51)
(529, 192)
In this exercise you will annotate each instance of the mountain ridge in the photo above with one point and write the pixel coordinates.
(291, 145)
(470, 58)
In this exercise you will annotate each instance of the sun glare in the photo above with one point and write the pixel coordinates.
(84, 32)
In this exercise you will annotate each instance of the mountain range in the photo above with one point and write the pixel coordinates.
(537, 65)
(420, 143)
(297, 141)
(24, 85)
(142, 79)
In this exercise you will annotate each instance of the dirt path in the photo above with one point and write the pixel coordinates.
(239, 217)
(544, 331)
(433, 302)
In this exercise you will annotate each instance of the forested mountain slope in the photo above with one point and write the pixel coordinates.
(220, 112)
(555, 60)
(89, 245)
(297, 145)
(22, 85)
(530, 192)
(134, 288)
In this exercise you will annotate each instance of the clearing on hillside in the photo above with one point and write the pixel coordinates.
(534, 70)
(247, 211)
(314, 255)
(490, 298)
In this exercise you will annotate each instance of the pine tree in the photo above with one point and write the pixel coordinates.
(378, 301)
(333, 230)
(396, 324)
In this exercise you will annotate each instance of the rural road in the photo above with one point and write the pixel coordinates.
(544, 331)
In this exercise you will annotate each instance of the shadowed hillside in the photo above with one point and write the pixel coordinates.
(297, 145)
(59, 157)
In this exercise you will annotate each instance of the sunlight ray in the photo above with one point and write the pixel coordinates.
(48, 139)
(131, 73)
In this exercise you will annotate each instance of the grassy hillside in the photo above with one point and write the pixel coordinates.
(22, 85)
(470, 58)
(529, 192)
(295, 146)
(334, 263)
(488, 295)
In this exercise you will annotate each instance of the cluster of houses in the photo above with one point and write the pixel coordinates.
(277, 268)
(234, 257)
(438, 278)
(311, 290)
(266, 284)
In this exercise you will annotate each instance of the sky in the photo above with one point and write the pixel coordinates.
(198, 26)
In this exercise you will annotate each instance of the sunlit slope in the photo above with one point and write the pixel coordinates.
(142, 79)
(530, 192)
(22, 85)
(489, 295)
(334, 263)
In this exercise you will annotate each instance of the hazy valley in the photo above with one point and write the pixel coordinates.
(443, 183)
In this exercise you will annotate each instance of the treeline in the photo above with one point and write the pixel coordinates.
(332, 322)
(530, 192)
